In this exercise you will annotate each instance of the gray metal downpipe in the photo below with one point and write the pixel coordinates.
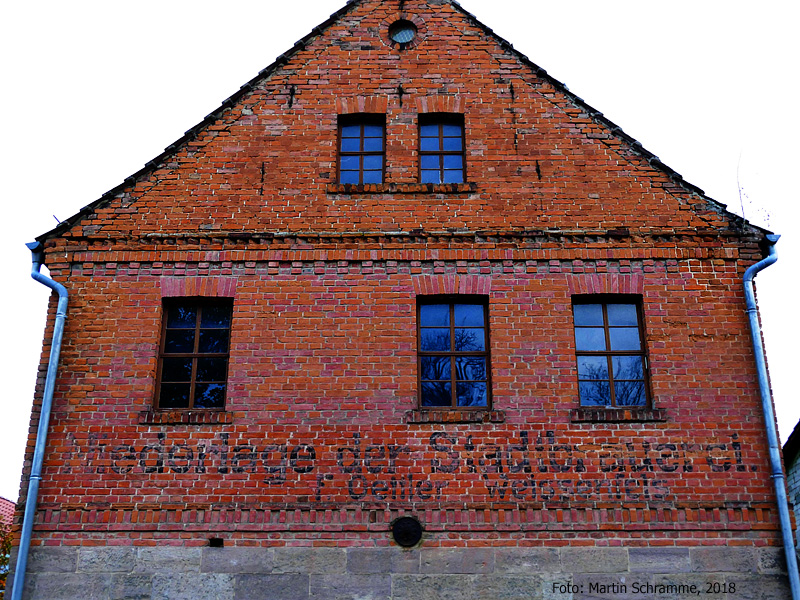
(37, 252)
(769, 415)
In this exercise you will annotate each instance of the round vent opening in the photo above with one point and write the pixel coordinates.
(407, 531)
(402, 31)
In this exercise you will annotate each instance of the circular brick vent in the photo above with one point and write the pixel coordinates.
(407, 531)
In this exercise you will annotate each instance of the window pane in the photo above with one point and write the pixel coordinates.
(436, 393)
(624, 338)
(349, 163)
(594, 393)
(453, 161)
(373, 144)
(373, 177)
(215, 316)
(430, 177)
(351, 131)
(430, 161)
(434, 315)
(373, 163)
(453, 177)
(622, 315)
(628, 367)
(468, 315)
(629, 393)
(590, 339)
(429, 131)
(176, 369)
(587, 315)
(470, 340)
(471, 368)
(430, 144)
(212, 369)
(435, 367)
(434, 340)
(348, 177)
(209, 395)
(451, 130)
(351, 144)
(452, 144)
(181, 317)
(372, 131)
(592, 367)
(213, 341)
(174, 395)
(177, 341)
(471, 394)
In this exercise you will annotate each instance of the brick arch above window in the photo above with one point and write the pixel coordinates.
(606, 283)
(362, 104)
(452, 284)
(440, 103)
(209, 287)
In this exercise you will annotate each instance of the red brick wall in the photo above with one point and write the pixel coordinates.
(320, 438)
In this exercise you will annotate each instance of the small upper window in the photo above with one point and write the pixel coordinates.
(453, 338)
(361, 149)
(609, 347)
(441, 148)
(193, 361)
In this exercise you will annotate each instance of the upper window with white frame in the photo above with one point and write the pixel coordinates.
(610, 351)
(441, 148)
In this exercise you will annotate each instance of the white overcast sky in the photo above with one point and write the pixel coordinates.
(91, 90)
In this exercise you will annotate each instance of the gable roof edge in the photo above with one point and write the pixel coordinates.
(192, 132)
(301, 44)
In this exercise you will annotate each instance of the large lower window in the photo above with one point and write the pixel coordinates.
(609, 347)
(361, 148)
(441, 148)
(193, 361)
(453, 338)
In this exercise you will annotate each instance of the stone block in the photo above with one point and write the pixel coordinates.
(659, 560)
(458, 560)
(236, 560)
(52, 560)
(350, 587)
(193, 586)
(168, 559)
(678, 586)
(771, 560)
(594, 560)
(618, 586)
(501, 587)
(72, 586)
(724, 560)
(382, 560)
(271, 587)
(310, 560)
(433, 587)
(527, 560)
(761, 587)
(106, 560)
(131, 587)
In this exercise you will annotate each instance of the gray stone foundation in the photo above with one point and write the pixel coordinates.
(238, 573)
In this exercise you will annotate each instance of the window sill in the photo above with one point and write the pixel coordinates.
(184, 417)
(617, 415)
(401, 188)
(455, 416)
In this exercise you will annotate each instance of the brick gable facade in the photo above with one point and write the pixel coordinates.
(322, 444)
